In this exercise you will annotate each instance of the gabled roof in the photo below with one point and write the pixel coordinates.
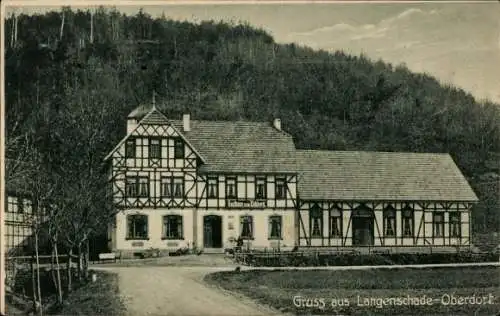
(151, 116)
(242, 146)
(389, 176)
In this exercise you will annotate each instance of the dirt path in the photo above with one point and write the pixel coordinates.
(179, 291)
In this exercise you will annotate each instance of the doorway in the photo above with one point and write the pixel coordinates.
(362, 228)
(212, 231)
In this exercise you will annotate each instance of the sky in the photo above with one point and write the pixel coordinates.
(458, 43)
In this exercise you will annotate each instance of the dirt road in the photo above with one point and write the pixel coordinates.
(179, 291)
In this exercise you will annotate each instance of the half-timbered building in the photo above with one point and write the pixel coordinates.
(191, 183)
(397, 200)
(185, 183)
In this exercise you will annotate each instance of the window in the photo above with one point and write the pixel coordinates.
(154, 148)
(137, 226)
(438, 224)
(143, 187)
(260, 187)
(275, 227)
(172, 187)
(316, 221)
(131, 187)
(280, 188)
(166, 187)
(130, 148)
(246, 224)
(213, 187)
(455, 224)
(20, 205)
(172, 227)
(178, 148)
(231, 188)
(178, 187)
(12, 204)
(137, 187)
(336, 223)
(390, 222)
(407, 218)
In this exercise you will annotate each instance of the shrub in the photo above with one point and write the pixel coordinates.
(350, 259)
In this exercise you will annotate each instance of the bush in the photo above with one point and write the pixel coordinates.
(351, 259)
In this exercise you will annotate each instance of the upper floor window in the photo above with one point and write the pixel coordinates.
(213, 187)
(246, 226)
(335, 223)
(316, 221)
(231, 188)
(438, 224)
(260, 188)
(178, 148)
(137, 226)
(172, 227)
(137, 186)
(455, 224)
(130, 150)
(154, 148)
(280, 188)
(390, 222)
(172, 187)
(407, 219)
(275, 222)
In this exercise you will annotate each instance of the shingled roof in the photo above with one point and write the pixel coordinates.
(241, 146)
(388, 176)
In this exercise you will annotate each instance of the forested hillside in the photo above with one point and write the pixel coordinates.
(72, 77)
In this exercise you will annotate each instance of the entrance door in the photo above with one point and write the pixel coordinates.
(362, 231)
(212, 231)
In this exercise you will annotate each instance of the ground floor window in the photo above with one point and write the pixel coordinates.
(336, 223)
(246, 227)
(275, 227)
(137, 226)
(407, 219)
(172, 227)
(390, 222)
(316, 221)
(455, 224)
(438, 224)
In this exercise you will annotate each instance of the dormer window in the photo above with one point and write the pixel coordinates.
(130, 148)
(178, 148)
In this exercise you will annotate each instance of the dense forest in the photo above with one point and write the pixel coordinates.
(73, 76)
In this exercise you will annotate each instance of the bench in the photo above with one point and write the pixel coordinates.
(108, 256)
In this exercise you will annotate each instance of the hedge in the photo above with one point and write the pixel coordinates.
(349, 259)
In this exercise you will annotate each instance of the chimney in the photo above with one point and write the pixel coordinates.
(186, 122)
(131, 124)
(277, 124)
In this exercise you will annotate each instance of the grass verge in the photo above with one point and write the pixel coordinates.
(321, 292)
(94, 298)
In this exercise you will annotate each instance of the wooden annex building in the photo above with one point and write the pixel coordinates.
(190, 183)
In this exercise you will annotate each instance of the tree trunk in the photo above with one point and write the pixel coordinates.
(79, 262)
(52, 267)
(62, 27)
(38, 287)
(86, 260)
(91, 27)
(58, 276)
(68, 270)
(33, 282)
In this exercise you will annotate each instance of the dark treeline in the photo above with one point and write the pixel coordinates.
(73, 76)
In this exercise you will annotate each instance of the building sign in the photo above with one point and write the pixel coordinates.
(137, 244)
(246, 203)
